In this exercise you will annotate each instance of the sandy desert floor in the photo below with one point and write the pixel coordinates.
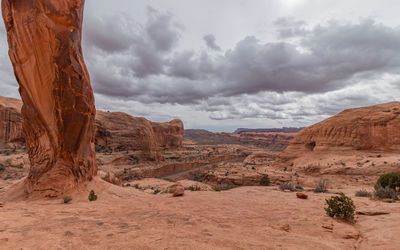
(240, 218)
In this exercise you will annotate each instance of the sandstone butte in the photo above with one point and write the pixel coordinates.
(368, 128)
(116, 131)
(44, 39)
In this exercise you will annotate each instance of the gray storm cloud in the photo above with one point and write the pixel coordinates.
(308, 72)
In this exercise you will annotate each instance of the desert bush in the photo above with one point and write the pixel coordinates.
(156, 191)
(194, 188)
(265, 180)
(287, 186)
(299, 188)
(363, 193)
(67, 199)
(2, 168)
(321, 187)
(391, 180)
(385, 193)
(92, 196)
(341, 206)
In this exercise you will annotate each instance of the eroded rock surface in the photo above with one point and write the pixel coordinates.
(118, 132)
(44, 39)
(368, 128)
(10, 121)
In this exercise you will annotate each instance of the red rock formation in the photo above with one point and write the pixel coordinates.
(44, 39)
(118, 131)
(168, 134)
(114, 131)
(369, 128)
(10, 121)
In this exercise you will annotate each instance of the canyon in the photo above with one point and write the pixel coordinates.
(73, 177)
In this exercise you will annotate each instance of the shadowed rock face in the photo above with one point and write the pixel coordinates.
(44, 39)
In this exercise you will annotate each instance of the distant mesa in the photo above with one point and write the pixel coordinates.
(268, 130)
(275, 141)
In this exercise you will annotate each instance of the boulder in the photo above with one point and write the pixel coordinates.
(176, 189)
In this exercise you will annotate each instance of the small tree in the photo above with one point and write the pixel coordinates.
(391, 180)
(341, 206)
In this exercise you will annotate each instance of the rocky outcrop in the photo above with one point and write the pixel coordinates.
(10, 122)
(369, 128)
(168, 134)
(44, 39)
(121, 132)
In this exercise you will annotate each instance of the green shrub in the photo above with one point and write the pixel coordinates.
(265, 180)
(92, 196)
(363, 193)
(321, 187)
(194, 188)
(299, 188)
(391, 180)
(385, 193)
(67, 199)
(341, 206)
(287, 186)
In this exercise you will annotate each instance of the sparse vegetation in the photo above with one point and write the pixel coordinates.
(92, 196)
(223, 187)
(156, 191)
(194, 188)
(363, 193)
(67, 199)
(287, 186)
(391, 180)
(299, 188)
(2, 168)
(321, 187)
(265, 180)
(341, 206)
(385, 193)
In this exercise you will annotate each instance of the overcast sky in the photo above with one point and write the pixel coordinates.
(223, 64)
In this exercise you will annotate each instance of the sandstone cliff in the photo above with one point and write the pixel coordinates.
(44, 39)
(121, 132)
(368, 128)
(10, 121)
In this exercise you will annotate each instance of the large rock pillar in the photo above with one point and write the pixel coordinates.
(44, 38)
